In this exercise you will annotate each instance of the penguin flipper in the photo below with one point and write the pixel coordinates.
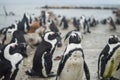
(59, 69)
(86, 70)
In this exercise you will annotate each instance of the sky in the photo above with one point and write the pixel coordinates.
(74, 2)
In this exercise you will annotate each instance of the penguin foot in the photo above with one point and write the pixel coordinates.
(31, 73)
(89, 31)
(25, 55)
(51, 74)
(112, 78)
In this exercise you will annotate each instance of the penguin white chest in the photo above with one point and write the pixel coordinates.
(113, 64)
(73, 69)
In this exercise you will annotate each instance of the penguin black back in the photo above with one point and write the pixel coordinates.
(42, 61)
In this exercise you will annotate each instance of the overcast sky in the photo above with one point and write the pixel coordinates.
(117, 2)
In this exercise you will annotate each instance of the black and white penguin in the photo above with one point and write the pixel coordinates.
(15, 59)
(52, 27)
(72, 64)
(92, 21)
(84, 25)
(76, 23)
(42, 61)
(64, 22)
(109, 59)
(5, 65)
(24, 24)
(8, 32)
(111, 23)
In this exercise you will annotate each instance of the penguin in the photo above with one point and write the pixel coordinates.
(84, 25)
(19, 35)
(72, 64)
(92, 21)
(109, 59)
(64, 22)
(76, 23)
(5, 69)
(7, 33)
(42, 61)
(24, 24)
(52, 27)
(5, 65)
(15, 59)
(111, 23)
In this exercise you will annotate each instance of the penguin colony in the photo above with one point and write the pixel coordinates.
(72, 66)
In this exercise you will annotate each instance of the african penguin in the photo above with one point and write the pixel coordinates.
(15, 58)
(76, 23)
(111, 23)
(109, 59)
(42, 61)
(72, 64)
(84, 25)
(64, 22)
(5, 65)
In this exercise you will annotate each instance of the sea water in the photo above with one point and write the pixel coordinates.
(35, 10)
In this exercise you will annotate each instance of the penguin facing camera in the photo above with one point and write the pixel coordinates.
(72, 64)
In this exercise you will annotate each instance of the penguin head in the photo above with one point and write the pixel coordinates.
(109, 19)
(82, 17)
(74, 38)
(72, 34)
(113, 39)
(51, 37)
(13, 45)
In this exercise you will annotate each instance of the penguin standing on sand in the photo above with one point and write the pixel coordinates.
(42, 61)
(111, 23)
(109, 59)
(84, 25)
(64, 22)
(72, 64)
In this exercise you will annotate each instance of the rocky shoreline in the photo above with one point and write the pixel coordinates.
(77, 7)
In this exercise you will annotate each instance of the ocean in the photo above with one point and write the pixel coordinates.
(34, 10)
